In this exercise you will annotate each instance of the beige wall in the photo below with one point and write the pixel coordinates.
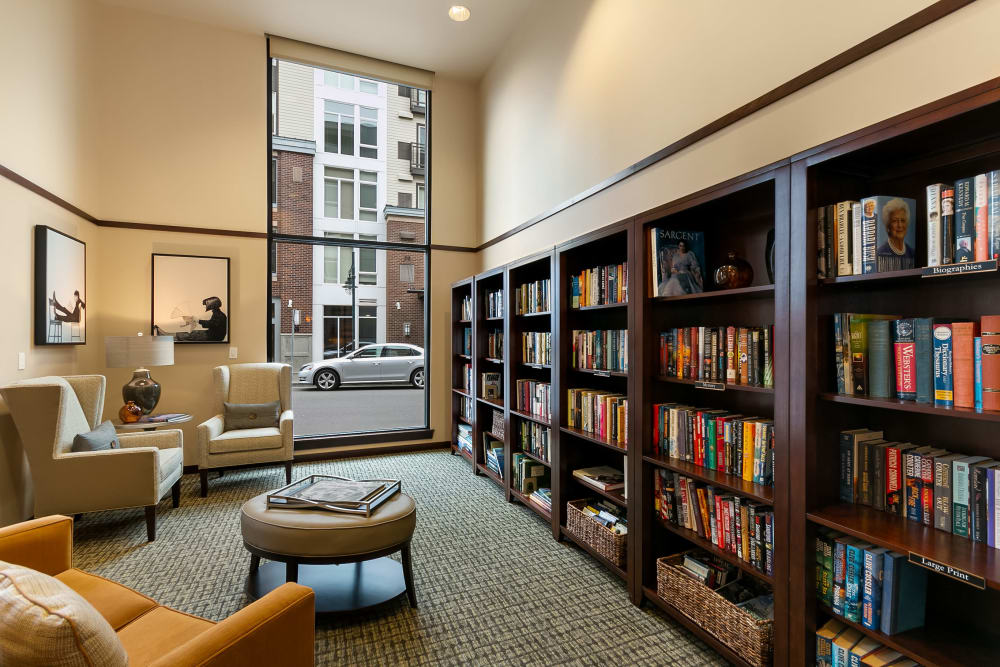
(585, 89)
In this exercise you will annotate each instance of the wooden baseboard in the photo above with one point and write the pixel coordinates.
(344, 453)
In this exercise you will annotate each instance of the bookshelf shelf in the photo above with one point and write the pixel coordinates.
(537, 366)
(493, 319)
(910, 406)
(596, 556)
(530, 418)
(544, 313)
(492, 435)
(600, 373)
(493, 360)
(590, 437)
(603, 306)
(701, 542)
(483, 469)
(756, 291)
(531, 456)
(764, 494)
(900, 534)
(496, 403)
(524, 500)
(461, 392)
(914, 276)
(612, 496)
(730, 656)
(457, 322)
(728, 386)
(463, 356)
(464, 420)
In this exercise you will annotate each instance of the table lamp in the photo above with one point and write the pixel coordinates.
(138, 352)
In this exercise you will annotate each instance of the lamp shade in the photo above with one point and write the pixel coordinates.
(136, 351)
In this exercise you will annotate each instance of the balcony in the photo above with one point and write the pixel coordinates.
(418, 159)
(418, 100)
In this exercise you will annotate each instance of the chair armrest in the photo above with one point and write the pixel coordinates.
(44, 544)
(168, 439)
(210, 428)
(285, 420)
(126, 477)
(277, 629)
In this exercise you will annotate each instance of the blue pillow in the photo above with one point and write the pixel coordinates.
(101, 438)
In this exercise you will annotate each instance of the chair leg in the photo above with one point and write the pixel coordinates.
(288, 472)
(175, 493)
(77, 516)
(151, 522)
(254, 563)
(411, 592)
(291, 572)
(204, 483)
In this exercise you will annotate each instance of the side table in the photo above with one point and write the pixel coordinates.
(151, 426)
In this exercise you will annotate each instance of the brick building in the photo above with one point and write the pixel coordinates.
(292, 213)
(404, 277)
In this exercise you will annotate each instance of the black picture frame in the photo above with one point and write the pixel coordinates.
(181, 337)
(50, 327)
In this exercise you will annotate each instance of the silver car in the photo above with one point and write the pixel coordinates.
(371, 364)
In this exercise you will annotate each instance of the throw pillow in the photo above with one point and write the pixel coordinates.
(45, 622)
(251, 415)
(101, 438)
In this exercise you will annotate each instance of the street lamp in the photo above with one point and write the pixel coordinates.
(352, 288)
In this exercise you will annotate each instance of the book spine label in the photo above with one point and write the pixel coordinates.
(905, 348)
(990, 365)
(839, 576)
(981, 212)
(852, 583)
(869, 225)
(965, 221)
(844, 264)
(871, 613)
(933, 224)
(944, 394)
(947, 224)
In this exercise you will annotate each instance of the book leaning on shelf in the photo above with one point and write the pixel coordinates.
(599, 286)
(492, 385)
(464, 439)
(493, 455)
(733, 355)
(729, 521)
(602, 413)
(494, 345)
(533, 297)
(735, 444)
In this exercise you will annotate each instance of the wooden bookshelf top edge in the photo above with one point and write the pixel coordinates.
(679, 616)
(602, 306)
(905, 536)
(754, 290)
(525, 500)
(696, 539)
(738, 485)
(531, 418)
(491, 401)
(538, 314)
(584, 435)
(911, 406)
(578, 541)
(600, 373)
(728, 386)
(461, 392)
(905, 274)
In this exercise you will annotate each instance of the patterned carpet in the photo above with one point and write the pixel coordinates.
(492, 585)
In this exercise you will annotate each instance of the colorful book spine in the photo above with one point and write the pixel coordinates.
(839, 575)
(905, 353)
(869, 224)
(947, 224)
(852, 581)
(977, 360)
(993, 183)
(871, 601)
(844, 264)
(962, 362)
(934, 224)
(981, 208)
(944, 393)
(990, 366)
(965, 220)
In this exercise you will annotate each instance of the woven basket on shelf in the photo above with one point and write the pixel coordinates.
(749, 637)
(600, 538)
(498, 424)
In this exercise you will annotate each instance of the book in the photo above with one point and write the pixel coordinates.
(678, 261)
(895, 231)
(824, 642)
(845, 266)
(862, 650)
(944, 395)
(842, 645)
(871, 597)
(993, 226)
(943, 466)
(963, 369)
(990, 333)
(978, 504)
(882, 657)
(881, 370)
(981, 207)
(904, 594)
(960, 493)
(819, 215)
(947, 224)
(850, 442)
(905, 351)
(965, 220)
(604, 478)
(977, 372)
(934, 223)
(924, 358)
(853, 573)
(856, 238)
(895, 502)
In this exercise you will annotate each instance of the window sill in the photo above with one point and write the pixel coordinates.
(303, 443)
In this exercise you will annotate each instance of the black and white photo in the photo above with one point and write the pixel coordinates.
(60, 288)
(191, 298)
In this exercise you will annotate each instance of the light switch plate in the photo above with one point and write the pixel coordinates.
(21, 361)
(232, 352)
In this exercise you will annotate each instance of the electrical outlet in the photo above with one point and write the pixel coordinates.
(232, 352)
(21, 361)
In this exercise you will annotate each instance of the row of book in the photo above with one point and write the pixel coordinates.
(527, 475)
(607, 514)
(599, 286)
(735, 444)
(873, 235)
(963, 220)
(491, 385)
(465, 408)
(734, 355)
(600, 350)
(873, 586)
(535, 439)
(494, 344)
(543, 498)
(601, 413)
(465, 381)
(839, 645)
(463, 439)
(952, 492)
(533, 297)
(466, 308)
(536, 347)
(467, 341)
(534, 398)
(493, 455)
(730, 522)
(494, 304)
(947, 363)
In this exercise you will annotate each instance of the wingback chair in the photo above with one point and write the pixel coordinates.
(50, 411)
(243, 384)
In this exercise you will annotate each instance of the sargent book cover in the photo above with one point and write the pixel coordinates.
(678, 261)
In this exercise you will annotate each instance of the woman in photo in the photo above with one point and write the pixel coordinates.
(685, 272)
(62, 314)
(895, 254)
(214, 330)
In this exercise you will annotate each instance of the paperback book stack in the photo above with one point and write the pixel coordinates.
(600, 350)
(533, 297)
(528, 475)
(952, 492)
(599, 286)
(494, 344)
(466, 308)
(494, 304)
(949, 363)
(607, 514)
(870, 585)
(493, 453)
(733, 355)
(735, 444)
(534, 398)
(492, 386)
(464, 439)
(604, 478)
(838, 644)
(536, 347)
(543, 498)
(534, 439)
(730, 522)
(602, 413)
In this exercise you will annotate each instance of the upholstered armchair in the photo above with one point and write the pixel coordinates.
(247, 384)
(50, 411)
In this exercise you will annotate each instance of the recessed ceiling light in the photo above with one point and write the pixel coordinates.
(459, 13)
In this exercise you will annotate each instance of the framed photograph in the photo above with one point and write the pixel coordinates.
(60, 288)
(678, 261)
(190, 298)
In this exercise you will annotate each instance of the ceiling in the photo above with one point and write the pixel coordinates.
(417, 33)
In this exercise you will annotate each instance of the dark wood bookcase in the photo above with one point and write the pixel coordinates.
(486, 282)
(463, 289)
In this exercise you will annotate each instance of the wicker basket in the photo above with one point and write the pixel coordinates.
(498, 424)
(749, 637)
(600, 538)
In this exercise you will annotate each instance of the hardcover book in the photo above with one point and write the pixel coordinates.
(678, 261)
(843, 644)
(856, 238)
(820, 217)
(963, 370)
(993, 183)
(960, 493)
(943, 466)
(871, 599)
(905, 353)
(981, 208)
(965, 220)
(845, 265)
(850, 443)
(977, 370)
(944, 394)
(904, 594)
(881, 383)
(990, 327)
(947, 224)
(895, 501)
(894, 219)
(934, 223)
(854, 571)
(924, 358)
(978, 499)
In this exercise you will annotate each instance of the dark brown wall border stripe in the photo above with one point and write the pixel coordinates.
(453, 248)
(878, 41)
(45, 194)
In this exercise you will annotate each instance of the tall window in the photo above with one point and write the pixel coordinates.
(367, 262)
(420, 196)
(367, 324)
(368, 203)
(368, 139)
(338, 127)
(368, 87)
(337, 260)
(338, 190)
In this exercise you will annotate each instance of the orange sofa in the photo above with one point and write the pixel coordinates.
(278, 629)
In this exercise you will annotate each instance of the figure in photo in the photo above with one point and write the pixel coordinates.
(63, 314)
(896, 252)
(214, 328)
(682, 270)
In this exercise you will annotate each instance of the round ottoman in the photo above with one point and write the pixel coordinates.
(342, 557)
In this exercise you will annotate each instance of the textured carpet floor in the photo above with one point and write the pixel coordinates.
(492, 585)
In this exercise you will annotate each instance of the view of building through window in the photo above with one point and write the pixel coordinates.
(348, 193)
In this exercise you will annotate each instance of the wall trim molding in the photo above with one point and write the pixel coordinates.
(893, 33)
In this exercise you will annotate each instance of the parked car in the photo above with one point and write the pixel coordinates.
(336, 353)
(371, 364)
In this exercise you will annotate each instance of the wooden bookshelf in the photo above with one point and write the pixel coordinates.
(941, 143)
(486, 283)
(460, 291)
(722, 386)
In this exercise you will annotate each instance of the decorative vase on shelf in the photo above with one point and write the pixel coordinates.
(736, 272)
(130, 413)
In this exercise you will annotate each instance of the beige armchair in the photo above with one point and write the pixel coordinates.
(50, 411)
(247, 383)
